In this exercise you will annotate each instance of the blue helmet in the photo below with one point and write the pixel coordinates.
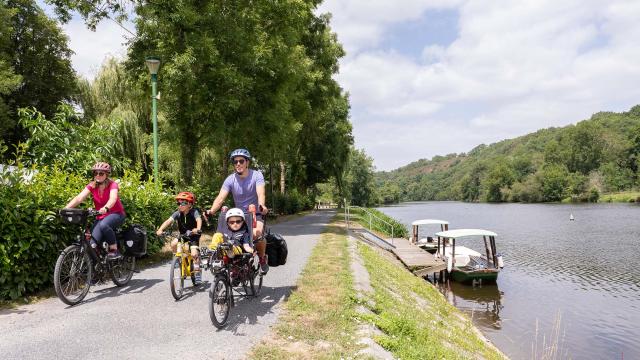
(240, 152)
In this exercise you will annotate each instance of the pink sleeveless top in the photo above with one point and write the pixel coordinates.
(100, 200)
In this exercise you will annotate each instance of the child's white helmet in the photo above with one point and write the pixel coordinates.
(234, 212)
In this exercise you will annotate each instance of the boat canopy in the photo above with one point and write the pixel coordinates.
(429, 222)
(458, 233)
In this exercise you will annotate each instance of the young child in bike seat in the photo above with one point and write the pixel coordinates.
(189, 222)
(238, 233)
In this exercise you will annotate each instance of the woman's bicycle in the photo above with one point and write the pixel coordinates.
(240, 270)
(182, 265)
(85, 262)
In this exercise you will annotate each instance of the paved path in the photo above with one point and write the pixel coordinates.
(142, 320)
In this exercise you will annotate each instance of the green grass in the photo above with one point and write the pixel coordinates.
(624, 196)
(416, 320)
(319, 317)
(362, 218)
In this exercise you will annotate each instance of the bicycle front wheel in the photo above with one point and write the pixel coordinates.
(72, 275)
(122, 270)
(256, 282)
(176, 280)
(220, 301)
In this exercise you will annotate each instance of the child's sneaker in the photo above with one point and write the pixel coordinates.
(113, 255)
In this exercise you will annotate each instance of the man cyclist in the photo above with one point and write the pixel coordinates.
(247, 187)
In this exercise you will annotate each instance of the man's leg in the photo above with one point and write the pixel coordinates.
(261, 245)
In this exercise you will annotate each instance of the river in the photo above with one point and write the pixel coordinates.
(569, 289)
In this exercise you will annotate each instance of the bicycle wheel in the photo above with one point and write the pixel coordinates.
(71, 278)
(176, 280)
(193, 274)
(220, 301)
(122, 270)
(256, 288)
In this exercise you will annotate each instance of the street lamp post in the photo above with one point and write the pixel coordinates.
(153, 63)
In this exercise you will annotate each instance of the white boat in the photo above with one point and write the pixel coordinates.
(465, 264)
(427, 240)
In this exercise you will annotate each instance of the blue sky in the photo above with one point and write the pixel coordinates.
(432, 77)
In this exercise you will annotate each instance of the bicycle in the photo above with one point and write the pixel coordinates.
(230, 272)
(183, 262)
(85, 262)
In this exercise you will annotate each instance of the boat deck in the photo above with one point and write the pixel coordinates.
(416, 259)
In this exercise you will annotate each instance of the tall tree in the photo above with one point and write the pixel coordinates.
(39, 53)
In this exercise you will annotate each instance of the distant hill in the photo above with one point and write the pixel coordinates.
(579, 161)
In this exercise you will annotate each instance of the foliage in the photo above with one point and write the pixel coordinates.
(358, 182)
(32, 234)
(579, 161)
(379, 222)
(73, 147)
(291, 202)
(38, 52)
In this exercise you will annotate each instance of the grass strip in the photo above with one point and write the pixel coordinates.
(318, 321)
(415, 319)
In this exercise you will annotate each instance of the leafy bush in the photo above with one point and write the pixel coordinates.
(291, 202)
(399, 230)
(32, 234)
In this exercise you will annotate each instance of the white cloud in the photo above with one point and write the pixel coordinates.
(515, 67)
(92, 48)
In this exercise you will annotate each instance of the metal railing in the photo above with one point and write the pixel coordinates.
(347, 215)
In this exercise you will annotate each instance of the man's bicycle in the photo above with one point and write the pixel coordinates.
(241, 270)
(85, 262)
(182, 265)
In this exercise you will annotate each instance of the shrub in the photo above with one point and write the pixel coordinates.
(32, 234)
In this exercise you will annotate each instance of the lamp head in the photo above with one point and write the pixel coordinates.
(153, 63)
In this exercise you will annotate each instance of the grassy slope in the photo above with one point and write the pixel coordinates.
(319, 320)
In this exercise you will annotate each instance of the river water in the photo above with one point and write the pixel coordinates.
(569, 289)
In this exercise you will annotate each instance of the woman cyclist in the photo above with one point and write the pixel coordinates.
(105, 199)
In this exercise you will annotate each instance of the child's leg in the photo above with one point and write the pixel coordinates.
(174, 245)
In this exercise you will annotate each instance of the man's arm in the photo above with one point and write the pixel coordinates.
(217, 203)
(262, 201)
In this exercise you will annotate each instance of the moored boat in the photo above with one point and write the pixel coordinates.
(427, 242)
(466, 265)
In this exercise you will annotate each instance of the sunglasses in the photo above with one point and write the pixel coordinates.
(183, 203)
(99, 173)
(233, 222)
(239, 161)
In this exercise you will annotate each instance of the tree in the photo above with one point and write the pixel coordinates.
(9, 81)
(500, 175)
(553, 179)
(585, 147)
(39, 53)
(359, 179)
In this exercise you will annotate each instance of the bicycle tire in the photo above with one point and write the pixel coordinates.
(193, 274)
(122, 271)
(176, 283)
(255, 289)
(220, 301)
(72, 275)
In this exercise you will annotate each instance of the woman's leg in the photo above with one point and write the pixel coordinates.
(104, 230)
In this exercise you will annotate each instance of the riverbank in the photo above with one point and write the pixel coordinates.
(409, 317)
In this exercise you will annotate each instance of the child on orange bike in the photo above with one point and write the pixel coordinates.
(189, 223)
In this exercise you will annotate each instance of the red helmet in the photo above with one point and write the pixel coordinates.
(101, 166)
(185, 195)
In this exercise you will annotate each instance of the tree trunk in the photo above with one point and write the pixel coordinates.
(282, 177)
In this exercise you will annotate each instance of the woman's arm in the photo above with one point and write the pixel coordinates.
(113, 197)
(78, 199)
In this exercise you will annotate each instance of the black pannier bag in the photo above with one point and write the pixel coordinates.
(277, 250)
(135, 240)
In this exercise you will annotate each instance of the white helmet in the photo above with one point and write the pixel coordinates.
(234, 212)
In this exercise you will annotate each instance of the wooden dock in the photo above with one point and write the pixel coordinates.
(416, 259)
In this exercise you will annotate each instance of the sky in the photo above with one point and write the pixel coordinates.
(435, 77)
